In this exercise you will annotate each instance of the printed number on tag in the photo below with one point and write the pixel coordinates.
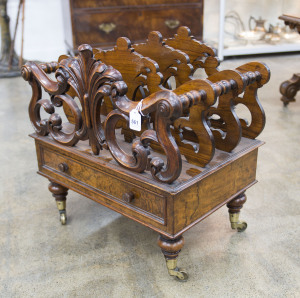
(135, 120)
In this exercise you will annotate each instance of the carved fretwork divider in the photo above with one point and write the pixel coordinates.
(175, 122)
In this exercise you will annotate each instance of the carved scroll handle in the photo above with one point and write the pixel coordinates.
(107, 27)
(172, 24)
(167, 107)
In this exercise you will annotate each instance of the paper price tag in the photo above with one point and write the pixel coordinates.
(135, 120)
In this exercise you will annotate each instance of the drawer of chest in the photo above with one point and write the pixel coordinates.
(121, 191)
(101, 27)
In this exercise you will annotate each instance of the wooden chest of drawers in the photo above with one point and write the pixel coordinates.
(100, 23)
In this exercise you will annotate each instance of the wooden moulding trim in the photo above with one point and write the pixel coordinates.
(218, 166)
(214, 209)
(100, 165)
(101, 193)
(105, 9)
(163, 189)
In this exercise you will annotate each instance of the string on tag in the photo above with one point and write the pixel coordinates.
(139, 107)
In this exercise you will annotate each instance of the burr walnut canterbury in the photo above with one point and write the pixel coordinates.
(144, 137)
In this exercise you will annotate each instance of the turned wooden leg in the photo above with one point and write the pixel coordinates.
(234, 207)
(60, 193)
(289, 89)
(171, 249)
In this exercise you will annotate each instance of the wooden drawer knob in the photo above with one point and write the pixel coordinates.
(63, 167)
(128, 196)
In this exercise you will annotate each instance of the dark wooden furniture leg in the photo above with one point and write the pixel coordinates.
(60, 193)
(289, 89)
(171, 249)
(234, 207)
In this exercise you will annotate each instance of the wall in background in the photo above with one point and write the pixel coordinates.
(44, 35)
(43, 29)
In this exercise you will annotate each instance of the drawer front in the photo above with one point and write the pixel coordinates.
(101, 28)
(113, 3)
(134, 197)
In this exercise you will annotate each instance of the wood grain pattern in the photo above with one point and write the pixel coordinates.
(100, 23)
(157, 188)
(201, 55)
(181, 122)
(196, 202)
(171, 62)
(157, 205)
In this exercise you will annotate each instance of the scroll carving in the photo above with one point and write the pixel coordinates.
(255, 75)
(171, 62)
(201, 55)
(89, 80)
(167, 107)
(141, 74)
(191, 120)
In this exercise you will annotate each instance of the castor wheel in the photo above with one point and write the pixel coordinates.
(241, 226)
(60, 193)
(236, 224)
(63, 218)
(179, 274)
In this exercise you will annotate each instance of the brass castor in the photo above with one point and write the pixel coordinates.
(63, 217)
(171, 249)
(60, 193)
(236, 224)
(61, 205)
(180, 274)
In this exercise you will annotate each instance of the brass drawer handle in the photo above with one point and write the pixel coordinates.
(128, 197)
(63, 167)
(107, 27)
(172, 24)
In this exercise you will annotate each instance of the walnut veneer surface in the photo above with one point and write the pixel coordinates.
(100, 23)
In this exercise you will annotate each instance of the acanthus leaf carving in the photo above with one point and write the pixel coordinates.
(89, 80)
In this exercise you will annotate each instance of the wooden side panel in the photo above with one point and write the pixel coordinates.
(203, 197)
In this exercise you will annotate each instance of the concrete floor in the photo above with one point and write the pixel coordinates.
(100, 253)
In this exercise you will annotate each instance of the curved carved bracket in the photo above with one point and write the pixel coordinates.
(167, 107)
(171, 62)
(256, 75)
(194, 128)
(289, 89)
(89, 80)
(137, 71)
(227, 129)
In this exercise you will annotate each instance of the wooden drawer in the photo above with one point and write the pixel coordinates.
(114, 3)
(87, 26)
(135, 198)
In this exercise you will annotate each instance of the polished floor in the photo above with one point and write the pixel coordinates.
(100, 253)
